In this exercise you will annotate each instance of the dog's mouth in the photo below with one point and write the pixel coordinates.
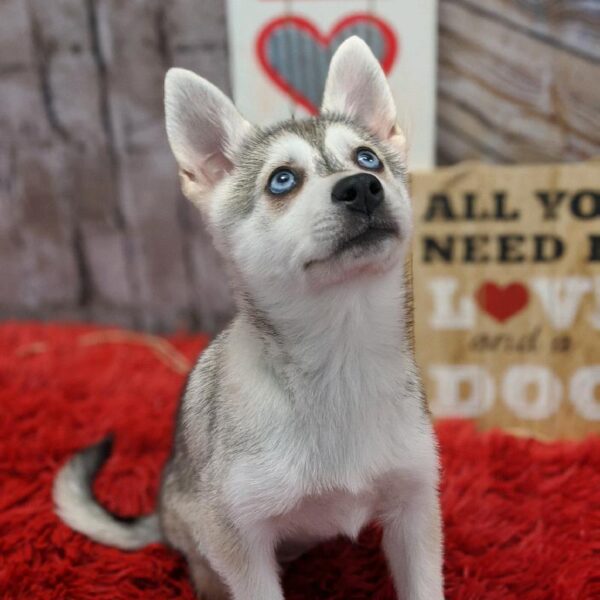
(370, 237)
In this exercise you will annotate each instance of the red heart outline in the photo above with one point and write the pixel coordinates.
(391, 47)
(502, 302)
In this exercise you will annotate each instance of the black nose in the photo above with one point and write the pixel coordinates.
(361, 193)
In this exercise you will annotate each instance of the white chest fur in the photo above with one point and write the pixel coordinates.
(329, 439)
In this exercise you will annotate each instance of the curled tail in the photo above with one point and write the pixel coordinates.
(76, 505)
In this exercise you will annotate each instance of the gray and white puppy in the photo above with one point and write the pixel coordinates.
(305, 419)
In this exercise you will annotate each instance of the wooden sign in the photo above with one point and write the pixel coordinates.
(507, 295)
(280, 52)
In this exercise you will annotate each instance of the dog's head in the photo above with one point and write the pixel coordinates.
(306, 204)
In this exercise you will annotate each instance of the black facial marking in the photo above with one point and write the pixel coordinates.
(256, 316)
(251, 155)
(327, 163)
(94, 457)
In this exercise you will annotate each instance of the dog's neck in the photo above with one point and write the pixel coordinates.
(354, 326)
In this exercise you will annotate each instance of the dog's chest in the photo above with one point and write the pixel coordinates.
(323, 469)
(332, 426)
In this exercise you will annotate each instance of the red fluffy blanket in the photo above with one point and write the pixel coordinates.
(522, 518)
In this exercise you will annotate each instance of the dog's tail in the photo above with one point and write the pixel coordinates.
(76, 505)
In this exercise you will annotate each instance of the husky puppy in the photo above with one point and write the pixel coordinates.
(305, 419)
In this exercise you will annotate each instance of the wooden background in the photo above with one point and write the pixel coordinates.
(92, 225)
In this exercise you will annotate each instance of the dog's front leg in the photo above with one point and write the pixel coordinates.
(248, 566)
(412, 541)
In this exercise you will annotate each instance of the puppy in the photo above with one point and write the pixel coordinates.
(305, 419)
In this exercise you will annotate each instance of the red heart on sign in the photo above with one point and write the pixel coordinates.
(295, 55)
(502, 303)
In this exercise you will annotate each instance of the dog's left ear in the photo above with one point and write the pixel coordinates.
(356, 86)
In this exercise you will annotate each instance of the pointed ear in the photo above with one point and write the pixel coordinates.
(203, 126)
(356, 86)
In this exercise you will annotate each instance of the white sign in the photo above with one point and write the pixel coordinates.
(280, 51)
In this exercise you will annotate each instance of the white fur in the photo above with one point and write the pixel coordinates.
(347, 443)
(363, 451)
(289, 149)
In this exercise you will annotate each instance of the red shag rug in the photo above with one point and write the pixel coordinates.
(522, 518)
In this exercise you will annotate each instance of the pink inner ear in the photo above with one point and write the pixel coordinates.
(188, 174)
(372, 104)
(214, 166)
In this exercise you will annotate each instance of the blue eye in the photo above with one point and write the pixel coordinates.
(367, 159)
(282, 181)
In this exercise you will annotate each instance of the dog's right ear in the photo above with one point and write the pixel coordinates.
(203, 126)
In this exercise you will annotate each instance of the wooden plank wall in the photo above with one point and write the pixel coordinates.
(92, 225)
(518, 80)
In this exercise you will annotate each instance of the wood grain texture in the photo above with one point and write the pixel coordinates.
(518, 80)
(92, 223)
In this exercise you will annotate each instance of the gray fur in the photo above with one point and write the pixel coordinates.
(250, 157)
